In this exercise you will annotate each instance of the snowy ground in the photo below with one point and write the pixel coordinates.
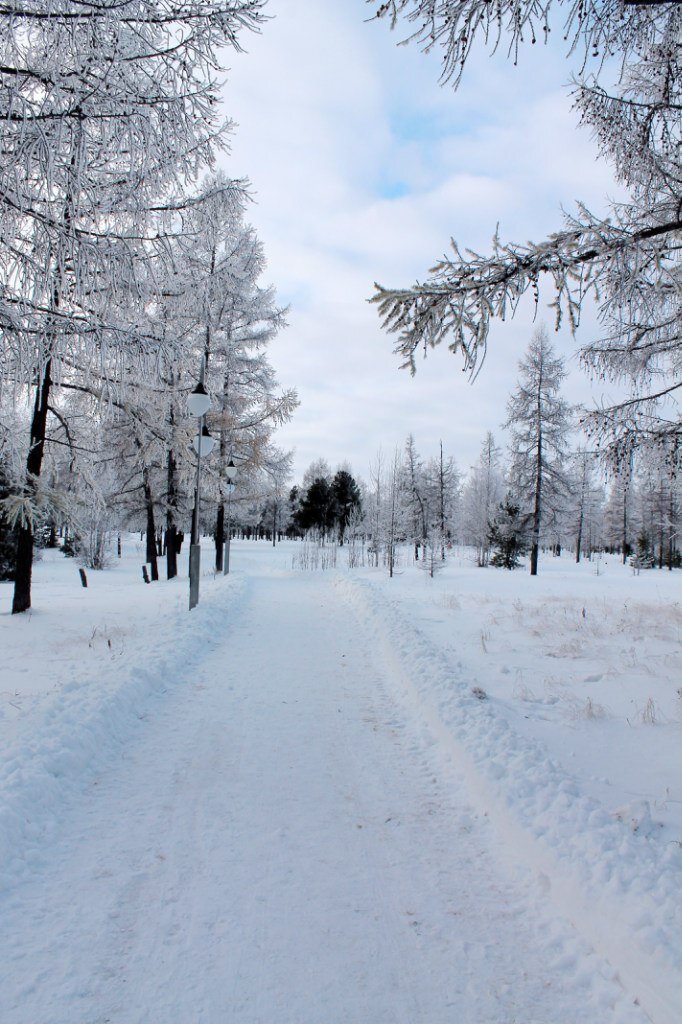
(289, 807)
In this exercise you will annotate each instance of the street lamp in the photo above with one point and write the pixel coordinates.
(231, 474)
(198, 404)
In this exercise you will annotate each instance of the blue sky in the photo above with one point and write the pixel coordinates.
(363, 167)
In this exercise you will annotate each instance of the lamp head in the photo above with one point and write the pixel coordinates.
(198, 402)
(203, 443)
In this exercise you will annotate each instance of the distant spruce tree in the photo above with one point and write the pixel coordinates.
(506, 535)
(347, 500)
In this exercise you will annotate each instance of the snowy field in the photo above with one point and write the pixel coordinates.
(332, 797)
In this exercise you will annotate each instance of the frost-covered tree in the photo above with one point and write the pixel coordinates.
(444, 487)
(621, 519)
(483, 492)
(660, 511)
(393, 513)
(539, 421)
(276, 512)
(386, 514)
(627, 256)
(106, 110)
(414, 496)
(429, 496)
(319, 469)
(585, 502)
(229, 319)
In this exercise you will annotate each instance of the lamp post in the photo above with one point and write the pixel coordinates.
(231, 474)
(198, 404)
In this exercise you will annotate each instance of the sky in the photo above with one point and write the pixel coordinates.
(362, 168)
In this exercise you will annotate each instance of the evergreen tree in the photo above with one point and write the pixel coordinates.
(506, 535)
(347, 500)
(318, 509)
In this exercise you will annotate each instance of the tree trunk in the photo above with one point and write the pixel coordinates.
(24, 564)
(579, 538)
(537, 515)
(220, 538)
(151, 529)
(172, 545)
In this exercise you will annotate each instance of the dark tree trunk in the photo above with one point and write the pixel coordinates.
(171, 528)
(219, 537)
(171, 552)
(535, 544)
(24, 567)
(579, 538)
(151, 529)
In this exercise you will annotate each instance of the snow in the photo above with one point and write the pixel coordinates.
(289, 805)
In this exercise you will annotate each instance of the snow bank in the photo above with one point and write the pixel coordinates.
(83, 709)
(619, 888)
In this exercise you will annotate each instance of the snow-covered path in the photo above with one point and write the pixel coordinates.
(278, 845)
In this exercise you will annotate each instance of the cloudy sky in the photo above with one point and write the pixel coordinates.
(362, 169)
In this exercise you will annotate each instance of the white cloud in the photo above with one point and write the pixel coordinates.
(334, 120)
